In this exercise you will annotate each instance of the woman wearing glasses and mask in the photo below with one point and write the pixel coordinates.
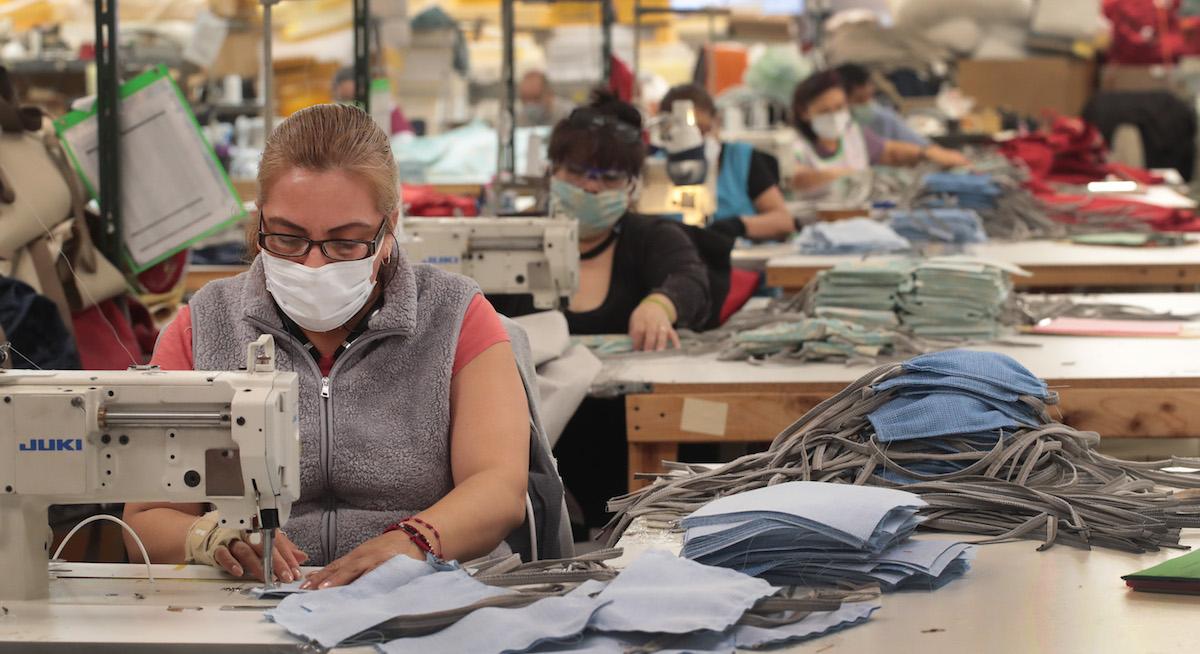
(832, 145)
(637, 275)
(414, 423)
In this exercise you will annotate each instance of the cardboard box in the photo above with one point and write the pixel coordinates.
(1030, 86)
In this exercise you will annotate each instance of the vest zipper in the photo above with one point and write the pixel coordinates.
(328, 536)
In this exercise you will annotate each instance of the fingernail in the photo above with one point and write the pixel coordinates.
(326, 584)
(287, 576)
(306, 585)
(237, 571)
(296, 572)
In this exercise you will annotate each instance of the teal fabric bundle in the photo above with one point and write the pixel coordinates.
(939, 298)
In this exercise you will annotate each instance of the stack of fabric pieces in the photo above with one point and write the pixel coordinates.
(659, 602)
(945, 297)
(953, 226)
(850, 236)
(955, 299)
(969, 432)
(815, 533)
(964, 190)
(953, 402)
(871, 285)
(815, 339)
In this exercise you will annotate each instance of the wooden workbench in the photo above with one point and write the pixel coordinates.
(1118, 387)
(1054, 264)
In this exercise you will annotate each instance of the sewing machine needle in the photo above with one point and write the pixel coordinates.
(268, 541)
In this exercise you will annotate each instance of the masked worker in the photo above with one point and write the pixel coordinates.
(869, 112)
(749, 201)
(414, 424)
(832, 145)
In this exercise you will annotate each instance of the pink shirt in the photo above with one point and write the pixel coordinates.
(481, 329)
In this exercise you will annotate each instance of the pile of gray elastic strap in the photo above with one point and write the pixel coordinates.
(971, 433)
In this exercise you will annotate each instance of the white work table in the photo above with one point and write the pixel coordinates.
(1118, 387)
(1053, 264)
(1015, 599)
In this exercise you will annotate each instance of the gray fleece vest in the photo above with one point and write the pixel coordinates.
(375, 433)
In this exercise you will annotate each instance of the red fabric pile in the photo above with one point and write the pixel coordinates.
(1074, 152)
(426, 202)
(1143, 32)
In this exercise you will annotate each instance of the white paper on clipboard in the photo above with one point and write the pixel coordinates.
(172, 189)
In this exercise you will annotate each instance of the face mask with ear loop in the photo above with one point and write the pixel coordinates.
(323, 299)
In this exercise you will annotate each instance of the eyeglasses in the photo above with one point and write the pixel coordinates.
(589, 119)
(607, 176)
(334, 249)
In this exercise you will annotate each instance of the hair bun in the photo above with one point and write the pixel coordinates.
(603, 100)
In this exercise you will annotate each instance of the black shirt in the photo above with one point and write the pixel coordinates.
(653, 255)
(764, 173)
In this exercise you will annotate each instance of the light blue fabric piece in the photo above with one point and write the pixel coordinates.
(401, 586)
(850, 236)
(969, 191)
(940, 414)
(847, 513)
(498, 631)
(999, 370)
(662, 593)
(466, 155)
(733, 196)
(954, 226)
(704, 642)
(813, 626)
(929, 381)
(765, 533)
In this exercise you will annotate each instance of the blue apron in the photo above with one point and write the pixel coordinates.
(733, 174)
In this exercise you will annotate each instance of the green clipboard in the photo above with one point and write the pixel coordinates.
(65, 125)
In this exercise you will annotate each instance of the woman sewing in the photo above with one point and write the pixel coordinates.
(637, 274)
(749, 201)
(414, 423)
(832, 145)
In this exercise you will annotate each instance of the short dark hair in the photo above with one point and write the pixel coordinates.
(853, 76)
(699, 97)
(604, 134)
(810, 89)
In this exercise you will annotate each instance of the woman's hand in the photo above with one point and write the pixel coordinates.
(650, 325)
(240, 558)
(946, 158)
(363, 559)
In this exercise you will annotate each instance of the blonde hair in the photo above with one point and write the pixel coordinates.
(327, 137)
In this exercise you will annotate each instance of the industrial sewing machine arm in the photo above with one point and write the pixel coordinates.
(143, 435)
(511, 256)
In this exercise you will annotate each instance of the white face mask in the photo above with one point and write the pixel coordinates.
(831, 126)
(319, 299)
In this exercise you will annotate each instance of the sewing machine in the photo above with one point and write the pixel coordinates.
(685, 181)
(535, 256)
(143, 435)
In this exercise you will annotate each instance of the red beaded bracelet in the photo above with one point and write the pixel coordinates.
(415, 536)
(436, 535)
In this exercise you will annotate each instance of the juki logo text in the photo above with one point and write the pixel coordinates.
(52, 445)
